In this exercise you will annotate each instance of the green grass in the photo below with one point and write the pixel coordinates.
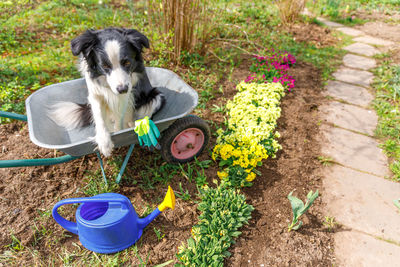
(345, 11)
(387, 106)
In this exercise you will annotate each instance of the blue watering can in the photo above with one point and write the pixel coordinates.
(108, 223)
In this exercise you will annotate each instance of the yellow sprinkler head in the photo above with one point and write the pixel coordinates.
(169, 200)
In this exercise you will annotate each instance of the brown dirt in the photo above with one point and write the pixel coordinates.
(382, 30)
(266, 240)
(312, 33)
(375, 15)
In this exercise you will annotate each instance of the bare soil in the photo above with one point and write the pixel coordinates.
(312, 33)
(382, 30)
(391, 17)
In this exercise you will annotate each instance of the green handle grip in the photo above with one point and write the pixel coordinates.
(35, 162)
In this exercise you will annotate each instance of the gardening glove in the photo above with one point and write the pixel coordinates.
(147, 132)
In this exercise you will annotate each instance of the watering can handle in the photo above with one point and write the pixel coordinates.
(71, 226)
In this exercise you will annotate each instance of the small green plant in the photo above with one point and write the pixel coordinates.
(96, 185)
(299, 208)
(330, 223)
(164, 264)
(188, 173)
(16, 244)
(216, 108)
(197, 167)
(142, 262)
(184, 195)
(396, 202)
(147, 210)
(201, 178)
(325, 161)
(158, 233)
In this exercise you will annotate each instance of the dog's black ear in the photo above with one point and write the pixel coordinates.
(84, 43)
(136, 39)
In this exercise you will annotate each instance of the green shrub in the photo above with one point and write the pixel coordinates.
(224, 211)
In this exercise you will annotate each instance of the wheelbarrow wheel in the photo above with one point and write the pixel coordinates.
(184, 140)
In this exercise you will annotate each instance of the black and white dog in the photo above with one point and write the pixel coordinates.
(119, 91)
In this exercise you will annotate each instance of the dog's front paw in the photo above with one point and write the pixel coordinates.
(104, 144)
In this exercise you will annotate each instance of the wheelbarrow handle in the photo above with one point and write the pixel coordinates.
(29, 162)
(35, 162)
(14, 116)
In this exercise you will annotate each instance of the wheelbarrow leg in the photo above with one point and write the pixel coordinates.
(102, 167)
(128, 155)
(123, 167)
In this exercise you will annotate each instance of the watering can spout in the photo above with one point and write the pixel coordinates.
(168, 202)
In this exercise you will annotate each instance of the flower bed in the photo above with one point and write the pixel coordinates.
(249, 137)
(250, 134)
(224, 211)
(273, 68)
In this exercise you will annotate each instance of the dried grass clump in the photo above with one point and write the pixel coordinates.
(289, 10)
(185, 22)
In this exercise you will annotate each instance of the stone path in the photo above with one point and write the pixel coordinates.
(355, 189)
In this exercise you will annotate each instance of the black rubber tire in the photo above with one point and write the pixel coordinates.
(167, 136)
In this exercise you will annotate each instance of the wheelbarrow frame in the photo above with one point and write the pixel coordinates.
(165, 124)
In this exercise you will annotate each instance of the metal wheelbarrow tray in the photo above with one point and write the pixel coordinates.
(179, 132)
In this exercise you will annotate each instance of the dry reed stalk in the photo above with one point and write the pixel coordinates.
(289, 10)
(185, 19)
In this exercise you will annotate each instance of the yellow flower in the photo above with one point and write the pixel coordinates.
(251, 176)
(222, 175)
(253, 115)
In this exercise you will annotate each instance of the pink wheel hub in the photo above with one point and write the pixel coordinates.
(187, 143)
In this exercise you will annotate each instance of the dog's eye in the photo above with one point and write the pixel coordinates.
(126, 63)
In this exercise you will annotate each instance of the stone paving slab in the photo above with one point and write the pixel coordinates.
(351, 117)
(354, 150)
(350, 93)
(362, 49)
(361, 250)
(329, 23)
(357, 77)
(350, 31)
(363, 202)
(374, 41)
(358, 62)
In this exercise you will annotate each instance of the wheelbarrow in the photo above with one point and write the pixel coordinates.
(183, 136)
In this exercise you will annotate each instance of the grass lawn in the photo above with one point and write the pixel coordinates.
(387, 106)
(346, 12)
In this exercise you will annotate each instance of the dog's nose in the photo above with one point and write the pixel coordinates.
(122, 88)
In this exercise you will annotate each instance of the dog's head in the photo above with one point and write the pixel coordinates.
(115, 53)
